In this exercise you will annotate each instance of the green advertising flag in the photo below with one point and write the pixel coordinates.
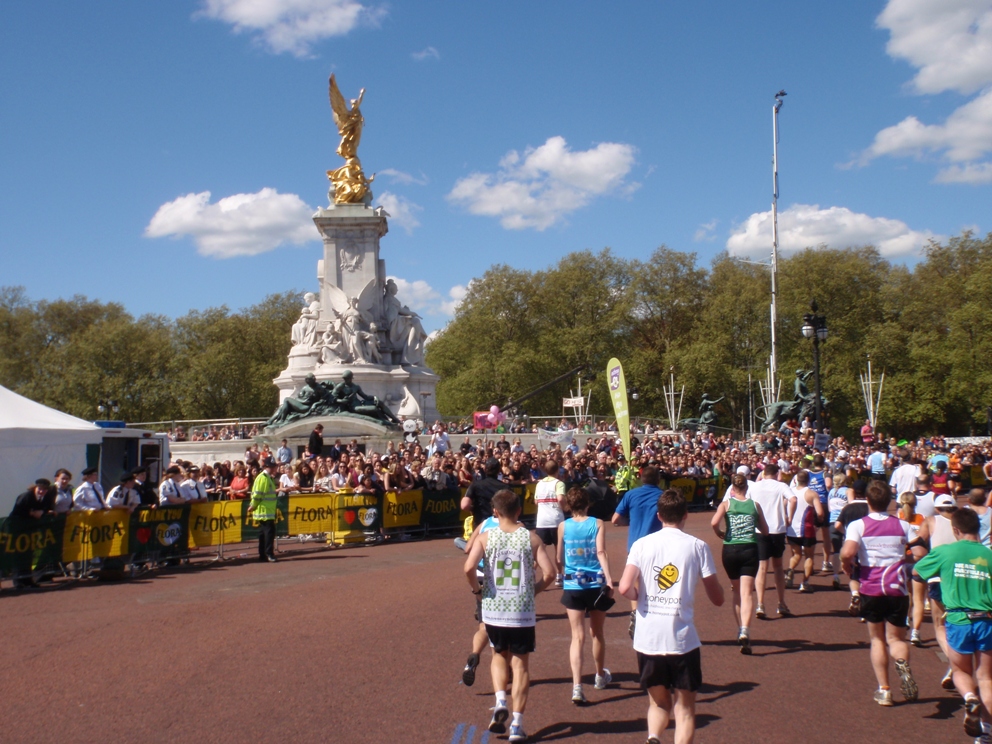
(618, 394)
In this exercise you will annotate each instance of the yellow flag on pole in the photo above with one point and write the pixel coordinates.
(618, 394)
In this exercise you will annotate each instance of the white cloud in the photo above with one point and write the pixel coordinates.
(401, 210)
(542, 186)
(806, 225)
(705, 232)
(291, 25)
(949, 41)
(950, 44)
(404, 178)
(422, 297)
(428, 53)
(238, 225)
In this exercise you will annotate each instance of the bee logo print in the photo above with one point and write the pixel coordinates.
(667, 576)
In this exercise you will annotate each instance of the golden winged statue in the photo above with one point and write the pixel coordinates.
(348, 183)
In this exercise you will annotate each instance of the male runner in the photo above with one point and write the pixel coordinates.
(661, 575)
(879, 541)
(773, 496)
(549, 496)
(821, 481)
(801, 532)
(509, 552)
(639, 509)
(966, 588)
(480, 638)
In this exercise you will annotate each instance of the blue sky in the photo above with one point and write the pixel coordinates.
(501, 133)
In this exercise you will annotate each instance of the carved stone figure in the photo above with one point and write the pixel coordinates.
(305, 329)
(404, 327)
(348, 183)
(331, 346)
(351, 257)
(354, 317)
(310, 396)
(707, 415)
(349, 397)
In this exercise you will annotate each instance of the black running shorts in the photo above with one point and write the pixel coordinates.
(586, 599)
(740, 560)
(770, 546)
(517, 641)
(671, 671)
(891, 610)
(802, 542)
(548, 535)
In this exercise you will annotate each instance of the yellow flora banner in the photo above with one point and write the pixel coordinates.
(100, 533)
(215, 523)
(618, 394)
(311, 514)
(402, 509)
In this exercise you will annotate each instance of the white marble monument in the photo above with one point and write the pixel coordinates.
(357, 322)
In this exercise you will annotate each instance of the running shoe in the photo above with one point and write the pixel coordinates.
(784, 611)
(578, 697)
(914, 638)
(827, 567)
(759, 612)
(652, 740)
(745, 641)
(907, 684)
(973, 716)
(805, 588)
(633, 622)
(884, 698)
(836, 582)
(559, 581)
(984, 739)
(602, 680)
(468, 673)
(500, 714)
(947, 683)
(517, 733)
(789, 575)
(854, 609)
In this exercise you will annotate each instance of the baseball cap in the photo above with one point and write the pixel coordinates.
(842, 455)
(944, 500)
(744, 470)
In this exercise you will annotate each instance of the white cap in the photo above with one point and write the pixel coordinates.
(842, 455)
(944, 500)
(744, 470)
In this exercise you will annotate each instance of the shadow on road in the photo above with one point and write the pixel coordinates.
(946, 707)
(792, 646)
(723, 691)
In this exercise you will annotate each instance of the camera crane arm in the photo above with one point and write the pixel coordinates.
(515, 402)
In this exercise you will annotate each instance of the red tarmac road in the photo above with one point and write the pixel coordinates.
(367, 645)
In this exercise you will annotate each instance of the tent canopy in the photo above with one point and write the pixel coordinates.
(35, 441)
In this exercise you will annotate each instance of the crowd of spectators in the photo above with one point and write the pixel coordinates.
(213, 433)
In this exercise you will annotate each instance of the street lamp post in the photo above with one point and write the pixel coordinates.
(815, 327)
(108, 406)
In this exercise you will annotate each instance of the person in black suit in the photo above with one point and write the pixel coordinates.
(316, 443)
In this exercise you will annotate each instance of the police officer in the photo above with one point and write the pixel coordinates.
(263, 509)
(89, 495)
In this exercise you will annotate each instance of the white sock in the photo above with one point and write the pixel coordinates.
(501, 697)
(855, 594)
(518, 718)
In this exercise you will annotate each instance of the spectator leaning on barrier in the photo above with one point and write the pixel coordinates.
(63, 491)
(31, 504)
(124, 495)
(262, 509)
(169, 492)
(89, 495)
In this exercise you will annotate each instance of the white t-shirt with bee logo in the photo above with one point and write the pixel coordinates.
(671, 563)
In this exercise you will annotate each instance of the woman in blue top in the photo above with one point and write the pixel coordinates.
(588, 586)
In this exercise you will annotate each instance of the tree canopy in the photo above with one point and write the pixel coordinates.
(925, 326)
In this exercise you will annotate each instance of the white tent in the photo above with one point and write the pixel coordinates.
(35, 441)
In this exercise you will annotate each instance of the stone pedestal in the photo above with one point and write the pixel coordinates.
(351, 265)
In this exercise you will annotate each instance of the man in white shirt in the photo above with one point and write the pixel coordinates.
(89, 495)
(191, 488)
(169, 492)
(904, 477)
(661, 575)
(773, 497)
(284, 455)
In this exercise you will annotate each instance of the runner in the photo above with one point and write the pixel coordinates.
(907, 513)
(480, 637)
(879, 541)
(821, 481)
(857, 509)
(588, 587)
(509, 552)
(966, 588)
(937, 530)
(639, 509)
(773, 496)
(549, 495)
(838, 498)
(661, 575)
(736, 522)
(801, 533)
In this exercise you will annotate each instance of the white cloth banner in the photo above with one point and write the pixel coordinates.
(573, 402)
